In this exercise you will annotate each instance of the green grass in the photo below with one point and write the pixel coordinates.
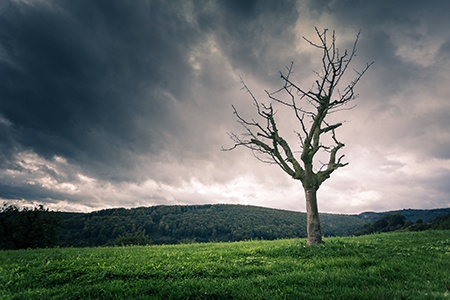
(408, 265)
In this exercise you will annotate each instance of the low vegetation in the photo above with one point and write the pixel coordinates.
(399, 265)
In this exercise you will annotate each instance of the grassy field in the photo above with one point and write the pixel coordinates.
(409, 265)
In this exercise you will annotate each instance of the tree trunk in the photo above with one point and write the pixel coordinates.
(312, 217)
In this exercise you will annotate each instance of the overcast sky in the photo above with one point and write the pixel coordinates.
(113, 103)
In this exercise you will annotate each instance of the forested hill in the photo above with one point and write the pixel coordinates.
(173, 224)
(204, 223)
(199, 223)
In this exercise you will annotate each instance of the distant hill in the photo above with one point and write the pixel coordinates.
(195, 223)
(395, 221)
(411, 215)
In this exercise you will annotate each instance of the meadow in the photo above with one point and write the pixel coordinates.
(398, 265)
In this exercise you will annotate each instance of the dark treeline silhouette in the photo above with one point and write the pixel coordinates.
(38, 227)
(27, 228)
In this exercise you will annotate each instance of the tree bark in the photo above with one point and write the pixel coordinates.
(312, 217)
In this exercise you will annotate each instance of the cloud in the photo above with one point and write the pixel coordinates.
(89, 84)
(107, 104)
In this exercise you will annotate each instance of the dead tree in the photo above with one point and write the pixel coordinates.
(310, 108)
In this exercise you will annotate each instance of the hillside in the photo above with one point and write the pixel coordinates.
(174, 224)
(206, 223)
(401, 265)
(199, 223)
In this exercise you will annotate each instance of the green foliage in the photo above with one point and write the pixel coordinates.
(441, 222)
(197, 223)
(171, 225)
(393, 222)
(388, 222)
(162, 225)
(135, 238)
(27, 228)
(181, 224)
(404, 265)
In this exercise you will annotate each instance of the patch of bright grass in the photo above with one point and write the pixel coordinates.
(408, 265)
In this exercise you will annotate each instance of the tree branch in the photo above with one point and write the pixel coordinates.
(311, 108)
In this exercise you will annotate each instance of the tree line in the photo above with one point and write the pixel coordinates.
(396, 221)
(27, 228)
(39, 227)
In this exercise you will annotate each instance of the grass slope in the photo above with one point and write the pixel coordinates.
(407, 265)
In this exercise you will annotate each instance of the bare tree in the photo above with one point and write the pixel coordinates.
(310, 108)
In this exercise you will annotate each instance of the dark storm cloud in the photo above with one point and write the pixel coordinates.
(8, 144)
(387, 25)
(32, 192)
(258, 35)
(98, 81)
(87, 79)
